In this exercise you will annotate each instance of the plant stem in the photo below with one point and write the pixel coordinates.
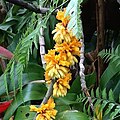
(48, 95)
(100, 35)
(33, 7)
(29, 6)
(42, 47)
(82, 75)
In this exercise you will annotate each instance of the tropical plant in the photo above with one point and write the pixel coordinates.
(28, 78)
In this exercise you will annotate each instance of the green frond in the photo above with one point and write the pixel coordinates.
(19, 71)
(5, 82)
(75, 24)
(5, 75)
(114, 113)
(104, 100)
(111, 95)
(12, 76)
(111, 55)
(21, 54)
(24, 49)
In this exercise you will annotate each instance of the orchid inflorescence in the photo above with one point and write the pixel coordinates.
(58, 63)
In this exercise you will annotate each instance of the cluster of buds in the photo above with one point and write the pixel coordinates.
(62, 57)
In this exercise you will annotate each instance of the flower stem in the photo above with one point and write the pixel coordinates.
(48, 95)
(82, 75)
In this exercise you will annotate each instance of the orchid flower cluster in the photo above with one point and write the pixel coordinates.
(59, 59)
(58, 63)
(46, 111)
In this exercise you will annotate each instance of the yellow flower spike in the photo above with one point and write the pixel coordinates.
(72, 47)
(69, 51)
(46, 111)
(61, 86)
(33, 108)
(53, 72)
(61, 73)
(64, 63)
(61, 16)
(64, 69)
(61, 34)
(47, 77)
(56, 66)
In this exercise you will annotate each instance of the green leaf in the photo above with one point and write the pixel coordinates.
(72, 115)
(75, 24)
(69, 99)
(33, 91)
(76, 85)
(115, 112)
(90, 79)
(7, 25)
(61, 108)
(32, 72)
(108, 74)
(23, 113)
(116, 87)
(98, 93)
(23, 20)
(111, 105)
(104, 94)
(111, 95)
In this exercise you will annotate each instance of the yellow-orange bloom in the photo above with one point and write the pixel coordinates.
(56, 65)
(61, 16)
(69, 50)
(47, 77)
(61, 86)
(53, 57)
(50, 56)
(61, 34)
(46, 111)
(56, 71)
(73, 47)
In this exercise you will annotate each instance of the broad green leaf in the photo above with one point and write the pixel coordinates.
(92, 93)
(32, 91)
(108, 74)
(32, 72)
(72, 115)
(90, 79)
(76, 85)
(23, 113)
(116, 89)
(69, 99)
(61, 108)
